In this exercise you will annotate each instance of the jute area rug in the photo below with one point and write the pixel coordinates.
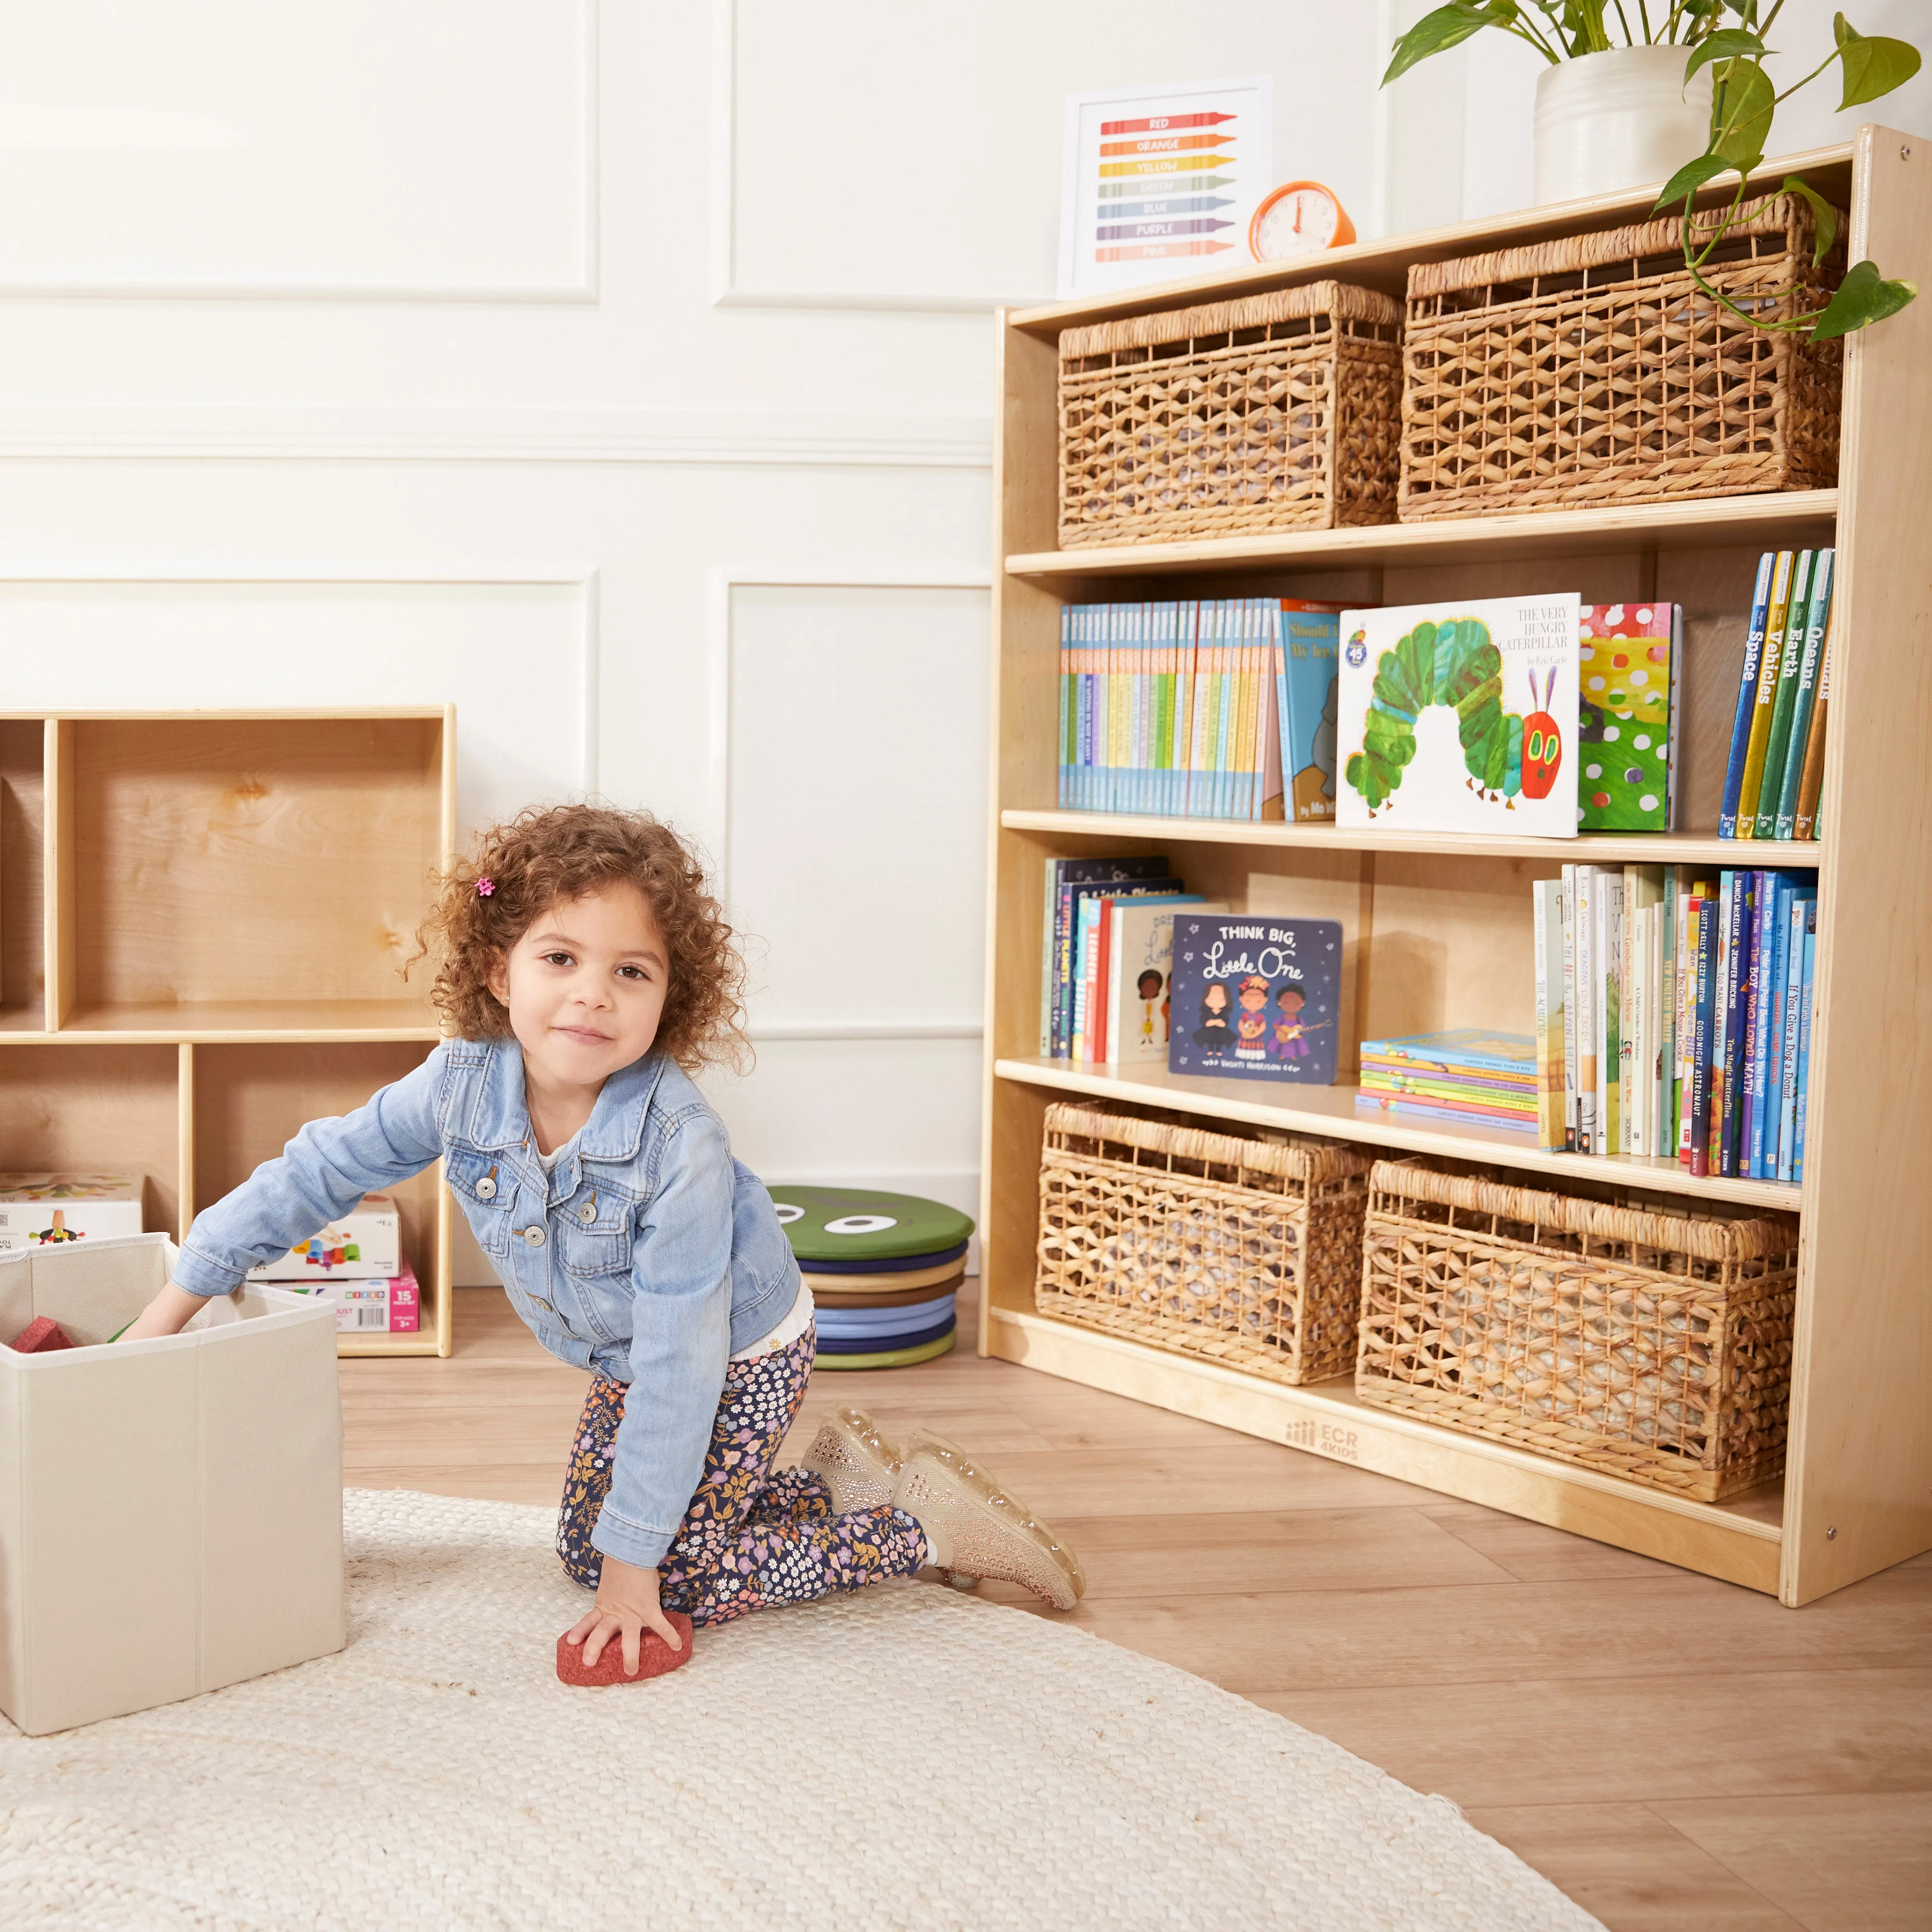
(908, 1757)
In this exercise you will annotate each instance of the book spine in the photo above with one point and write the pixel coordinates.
(1740, 724)
(1690, 906)
(1061, 794)
(1815, 628)
(1765, 995)
(1630, 1003)
(1063, 916)
(1797, 621)
(1727, 891)
(1188, 617)
(1671, 788)
(1811, 781)
(1568, 887)
(1100, 1046)
(1769, 659)
(1794, 997)
(1749, 992)
(1083, 946)
(1052, 869)
(1697, 1131)
(1737, 991)
(1589, 999)
(1224, 699)
(1664, 1073)
(1547, 913)
(1777, 1148)
(1804, 1001)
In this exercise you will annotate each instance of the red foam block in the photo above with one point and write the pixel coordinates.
(41, 1336)
(654, 1657)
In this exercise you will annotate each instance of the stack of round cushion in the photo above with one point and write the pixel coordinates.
(884, 1269)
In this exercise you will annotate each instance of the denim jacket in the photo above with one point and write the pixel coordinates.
(648, 1255)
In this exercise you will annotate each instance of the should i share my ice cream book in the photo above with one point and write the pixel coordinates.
(1255, 996)
(1461, 716)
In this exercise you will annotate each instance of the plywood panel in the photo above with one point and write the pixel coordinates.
(215, 859)
(22, 866)
(250, 1101)
(111, 1109)
(1861, 1453)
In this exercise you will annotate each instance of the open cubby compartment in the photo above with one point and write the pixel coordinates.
(22, 863)
(205, 862)
(100, 1109)
(249, 1100)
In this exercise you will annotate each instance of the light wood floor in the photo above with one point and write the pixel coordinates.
(1674, 1753)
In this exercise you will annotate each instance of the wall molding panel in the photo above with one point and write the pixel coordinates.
(356, 434)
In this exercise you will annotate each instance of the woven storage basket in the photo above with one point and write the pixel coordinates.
(1594, 370)
(1246, 1252)
(1278, 412)
(1648, 1345)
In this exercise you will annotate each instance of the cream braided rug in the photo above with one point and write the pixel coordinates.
(905, 1758)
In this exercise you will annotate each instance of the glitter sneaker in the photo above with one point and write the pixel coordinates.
(854, 1461)
(976, 1528)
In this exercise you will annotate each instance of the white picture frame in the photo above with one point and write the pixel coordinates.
(1219, 131)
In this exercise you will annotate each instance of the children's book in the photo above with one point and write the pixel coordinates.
(1140, 965)
(1764, 698)
(1797, 625)
(1469, 1075)
(1624, 723)
(1804, 702)
(1804, 999)
(1547, 900)
(1257, 996)
(1057, 940)
(1812, 779)
(1740, 721)
(1461, 716)
(1570, 1017)
(1307, 699)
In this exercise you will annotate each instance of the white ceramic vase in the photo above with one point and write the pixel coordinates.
(1617, 120)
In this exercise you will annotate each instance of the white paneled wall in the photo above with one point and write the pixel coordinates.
(621, 372)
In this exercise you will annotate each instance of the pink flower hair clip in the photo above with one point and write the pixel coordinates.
(485, 887)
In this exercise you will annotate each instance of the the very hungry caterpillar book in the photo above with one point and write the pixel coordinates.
(1461, 716)
(1256, 995)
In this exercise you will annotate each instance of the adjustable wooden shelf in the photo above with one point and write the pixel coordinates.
(1437, 929)
(203, 915)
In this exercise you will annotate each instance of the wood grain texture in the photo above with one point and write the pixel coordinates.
(1593, 1720)
(1861, 1450)
(23, 869)
(215, 860)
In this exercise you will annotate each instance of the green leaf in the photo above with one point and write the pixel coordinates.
(1873, 66)
(1448, 27)
(1863, 297)
(1741, 114)
(1725, 44)
(1828, 218)
(1690, 178)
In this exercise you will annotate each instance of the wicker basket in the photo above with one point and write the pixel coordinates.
(1593, 370)
(1278, 411)
(1246, 1252)
(1651, 1345)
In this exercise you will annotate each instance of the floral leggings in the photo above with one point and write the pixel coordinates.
(753, 1535)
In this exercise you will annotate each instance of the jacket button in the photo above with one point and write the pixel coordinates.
(486, 1189)
(587, 1212)
(535, 1236)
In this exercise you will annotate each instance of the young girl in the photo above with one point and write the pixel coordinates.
(587, 973)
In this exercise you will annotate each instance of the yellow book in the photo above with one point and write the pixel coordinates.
(1769, 660)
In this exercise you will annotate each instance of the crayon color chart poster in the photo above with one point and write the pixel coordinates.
(1160, 181)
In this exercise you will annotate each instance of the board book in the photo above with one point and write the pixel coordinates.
(1256, 997)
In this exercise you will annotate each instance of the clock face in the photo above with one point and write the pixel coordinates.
(1300, 219)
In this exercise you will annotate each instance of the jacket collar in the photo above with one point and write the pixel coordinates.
(499, 1117)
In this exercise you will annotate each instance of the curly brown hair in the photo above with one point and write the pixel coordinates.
(547, 855)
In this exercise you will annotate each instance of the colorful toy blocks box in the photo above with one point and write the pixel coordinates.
(364, 1245)
(41, 1210)
(195, 1477)
(391, 1307)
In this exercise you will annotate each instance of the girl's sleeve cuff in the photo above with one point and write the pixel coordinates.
(200, 1275)
(629, 1542)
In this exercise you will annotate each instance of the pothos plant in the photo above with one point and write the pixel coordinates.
(1728, 36)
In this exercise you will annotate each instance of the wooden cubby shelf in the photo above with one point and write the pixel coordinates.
(1437, 930)
(202, 918)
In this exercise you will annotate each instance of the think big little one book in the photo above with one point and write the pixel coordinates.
(1461, 716)
(1255, 995)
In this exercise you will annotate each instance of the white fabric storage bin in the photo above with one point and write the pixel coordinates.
(170, 1510)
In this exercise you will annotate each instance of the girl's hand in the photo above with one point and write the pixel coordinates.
(168, 1314)
(627, 1604)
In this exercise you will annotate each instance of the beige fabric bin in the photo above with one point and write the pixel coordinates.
(170, 1510)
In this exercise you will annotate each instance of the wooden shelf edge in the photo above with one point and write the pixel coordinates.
(1677, 523)
(1669, 848)
(1234, 1099)
(1738, 1543)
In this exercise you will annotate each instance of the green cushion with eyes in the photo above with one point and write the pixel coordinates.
(851, 1224)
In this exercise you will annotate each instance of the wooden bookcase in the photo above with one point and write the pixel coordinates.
(1437, 929)
(202, 918)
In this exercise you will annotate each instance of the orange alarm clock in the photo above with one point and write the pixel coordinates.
(1299, 218)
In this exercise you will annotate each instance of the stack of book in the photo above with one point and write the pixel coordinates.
(1673, 1015)
(1480, 1079)
(1067, 973)
(1777, 764)
(1203, 708)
